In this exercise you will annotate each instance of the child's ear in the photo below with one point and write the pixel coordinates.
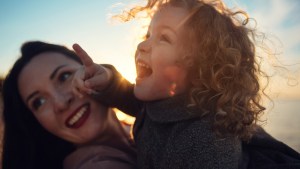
(193, 70)
(189, 61)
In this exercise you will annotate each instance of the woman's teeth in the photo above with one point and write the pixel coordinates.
(77, 116)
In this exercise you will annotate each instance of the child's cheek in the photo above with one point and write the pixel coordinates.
(175, 79)
(171, 73)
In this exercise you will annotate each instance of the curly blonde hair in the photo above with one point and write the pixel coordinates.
(225, 71)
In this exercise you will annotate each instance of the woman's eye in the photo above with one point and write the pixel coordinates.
(37, 103)
(64, 76)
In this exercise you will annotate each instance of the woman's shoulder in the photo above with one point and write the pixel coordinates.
(99, 156)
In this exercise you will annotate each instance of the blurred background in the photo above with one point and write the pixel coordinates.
(89, 23)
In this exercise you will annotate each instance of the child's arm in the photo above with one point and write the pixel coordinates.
(105, 83)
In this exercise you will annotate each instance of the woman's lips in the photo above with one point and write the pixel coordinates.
(78, 117)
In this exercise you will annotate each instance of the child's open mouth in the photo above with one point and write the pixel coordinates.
(143, 69)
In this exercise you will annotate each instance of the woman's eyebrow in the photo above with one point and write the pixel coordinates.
(51, 77)
(31, 96)
(55, 71)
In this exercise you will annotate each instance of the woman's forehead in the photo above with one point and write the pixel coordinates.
(50, 57)
(44, 63)
(40, 68)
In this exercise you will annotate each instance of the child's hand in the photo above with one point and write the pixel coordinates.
(91, 77)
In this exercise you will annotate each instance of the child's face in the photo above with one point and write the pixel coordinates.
(160, 72)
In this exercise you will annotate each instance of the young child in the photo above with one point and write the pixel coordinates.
(197, 93)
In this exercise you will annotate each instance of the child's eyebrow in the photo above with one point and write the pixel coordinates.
(169, 28)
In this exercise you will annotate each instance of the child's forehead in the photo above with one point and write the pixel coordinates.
(169, 14)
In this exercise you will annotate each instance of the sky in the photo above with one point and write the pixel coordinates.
(89, 24)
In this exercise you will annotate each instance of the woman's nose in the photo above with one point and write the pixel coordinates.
(62, 101)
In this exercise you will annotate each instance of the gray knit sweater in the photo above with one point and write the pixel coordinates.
(169, 135)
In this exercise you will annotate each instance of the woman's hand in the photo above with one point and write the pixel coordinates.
(91, 77)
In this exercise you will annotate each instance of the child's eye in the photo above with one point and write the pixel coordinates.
(165, 38)
(37, 103)
(64, 76)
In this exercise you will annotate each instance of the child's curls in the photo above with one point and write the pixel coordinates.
(225, 71)
(226, 79)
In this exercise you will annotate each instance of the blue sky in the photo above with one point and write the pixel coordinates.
(88, 23)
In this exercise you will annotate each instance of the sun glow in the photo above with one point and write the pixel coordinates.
(128, 120)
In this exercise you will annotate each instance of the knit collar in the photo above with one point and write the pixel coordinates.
(172, 109)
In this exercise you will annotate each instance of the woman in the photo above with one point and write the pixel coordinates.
(45, 122)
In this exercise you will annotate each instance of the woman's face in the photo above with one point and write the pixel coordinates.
(45, 87)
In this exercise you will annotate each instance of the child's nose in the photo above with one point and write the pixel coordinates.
(144, 46)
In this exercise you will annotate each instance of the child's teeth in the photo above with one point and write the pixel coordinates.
(143, 65)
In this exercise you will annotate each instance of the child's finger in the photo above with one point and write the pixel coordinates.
(86, 60)
(100, 80)
(77, 92)
(84, 57)
(80, 90)
(78, 83)
(96, 82)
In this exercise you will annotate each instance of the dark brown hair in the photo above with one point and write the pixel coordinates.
(26, 143)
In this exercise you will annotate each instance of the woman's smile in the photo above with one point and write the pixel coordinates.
(78, 117)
